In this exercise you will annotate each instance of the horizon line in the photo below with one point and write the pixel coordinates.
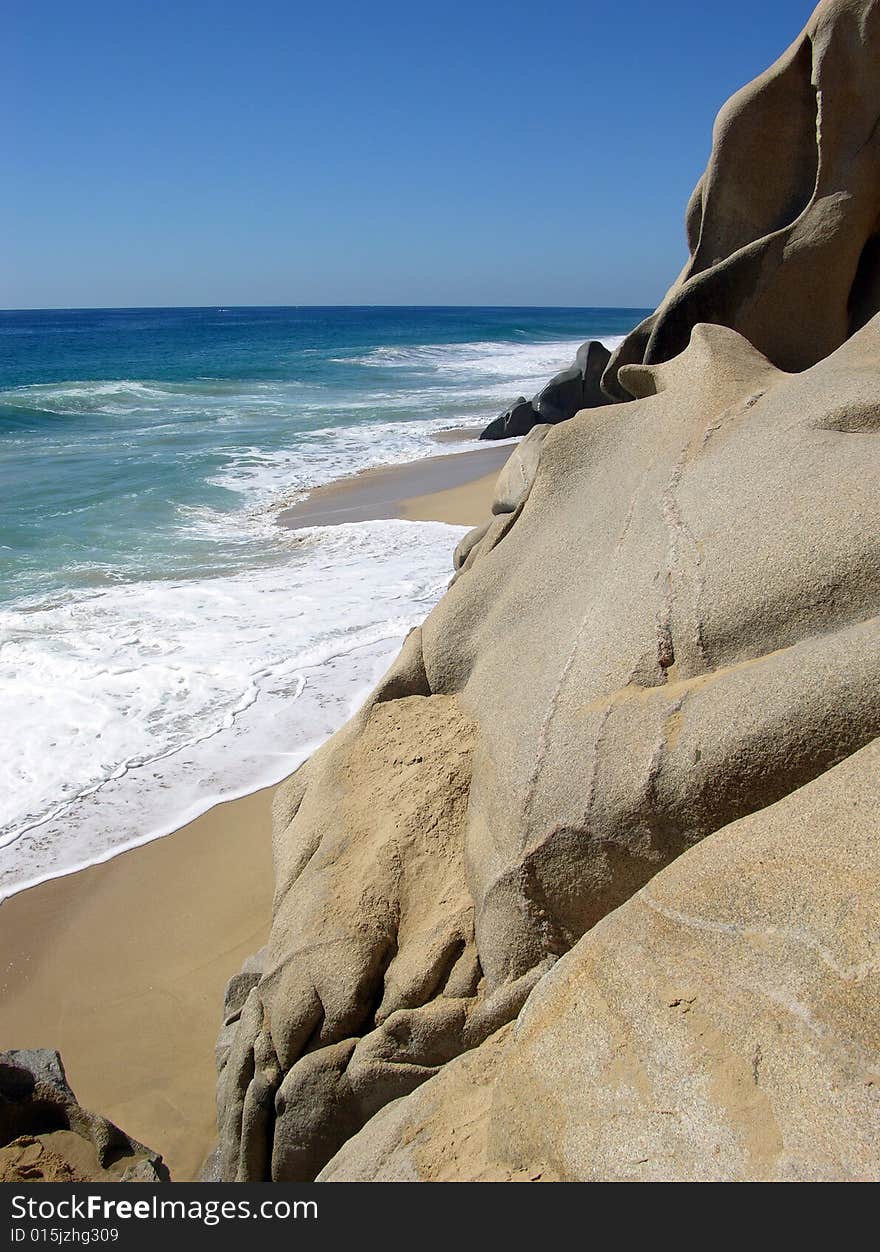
(136, 308)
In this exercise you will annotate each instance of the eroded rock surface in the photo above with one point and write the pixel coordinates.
(639, 661)
(371, 978)
(722, 1024)
(783, 226)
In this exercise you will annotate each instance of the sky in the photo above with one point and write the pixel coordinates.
(339, 152)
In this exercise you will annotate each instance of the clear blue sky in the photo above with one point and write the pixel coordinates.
(341, 152)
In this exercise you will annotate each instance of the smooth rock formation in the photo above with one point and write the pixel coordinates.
(783, 227)
(517, 420)
(668, 624)
(640, 660)
(722, 1024)
(572, 389)
(46, 1136)
(518, 474)
(511, 491)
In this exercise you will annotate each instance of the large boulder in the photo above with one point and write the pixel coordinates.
(518, 472)
(516, 420)
(722, 1024)
(46, 1135)
(677, 628)
(512, 488)
(783, 225)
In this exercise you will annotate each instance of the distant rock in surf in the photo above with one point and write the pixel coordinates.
(574, 388)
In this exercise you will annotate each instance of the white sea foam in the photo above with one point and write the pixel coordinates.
(135, 707)
(277, 476)
(480, 358)
(125, 396)
(482, 370)
(274, 477)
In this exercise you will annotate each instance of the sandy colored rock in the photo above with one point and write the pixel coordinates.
(679, 661)
(782, 227)
(371, 901)
(468, 543)
(696, 665)
(723, 1024)
(510, 493)
(514, 483)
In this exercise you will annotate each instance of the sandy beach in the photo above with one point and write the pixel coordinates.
(455, 489)
(122, 966)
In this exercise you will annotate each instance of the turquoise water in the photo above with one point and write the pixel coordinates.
(125, 431)
(155, 622)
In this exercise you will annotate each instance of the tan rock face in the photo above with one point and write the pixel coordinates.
(683, 659)
(641, 660)
(671, 624)
(370, 979)
(783, 225)
(724, 1023)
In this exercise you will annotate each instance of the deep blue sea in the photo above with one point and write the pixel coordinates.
(163, 643)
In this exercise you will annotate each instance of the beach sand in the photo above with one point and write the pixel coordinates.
(122, 966)
(392, 490)
(465, 505)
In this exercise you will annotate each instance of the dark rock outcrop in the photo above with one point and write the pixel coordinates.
(572, 389)
(45, 1134)
(513, 422)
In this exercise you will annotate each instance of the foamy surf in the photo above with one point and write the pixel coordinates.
(516, 363)
(137, 707)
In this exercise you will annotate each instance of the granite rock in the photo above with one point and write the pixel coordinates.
(722, 1024)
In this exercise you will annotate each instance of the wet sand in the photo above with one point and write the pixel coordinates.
(382, 492)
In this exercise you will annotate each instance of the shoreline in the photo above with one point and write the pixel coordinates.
(121, 966)
(463, 493)
(386, 491)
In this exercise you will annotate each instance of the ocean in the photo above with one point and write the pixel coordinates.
(164, 644)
